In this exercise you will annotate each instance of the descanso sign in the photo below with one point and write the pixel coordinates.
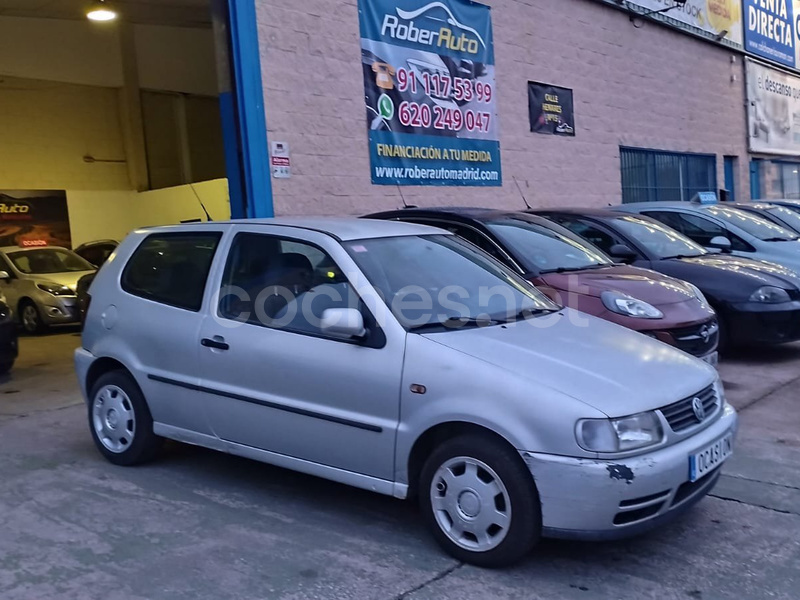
(403, 27)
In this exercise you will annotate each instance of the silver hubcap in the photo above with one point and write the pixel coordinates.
(30, 318)
(113, 419)
(471, 504)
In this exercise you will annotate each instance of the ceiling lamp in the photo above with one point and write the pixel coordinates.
(101, 11)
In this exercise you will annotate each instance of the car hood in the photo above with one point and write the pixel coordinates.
(613, 369)
(759, 271)
(68, 279)
(643, 284)
(783, 253)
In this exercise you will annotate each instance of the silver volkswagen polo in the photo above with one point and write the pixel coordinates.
(400, 359)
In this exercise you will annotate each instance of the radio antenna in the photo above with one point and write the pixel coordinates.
(208, 216)
(403, 198)
(525, 200)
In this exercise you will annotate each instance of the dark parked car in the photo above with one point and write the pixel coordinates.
(96, 253)
(581, 276)
(9, 347)
(756, 302)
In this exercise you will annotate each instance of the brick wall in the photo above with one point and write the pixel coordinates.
(651, 87)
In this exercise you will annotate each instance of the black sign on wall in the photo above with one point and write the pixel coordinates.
(551, 109)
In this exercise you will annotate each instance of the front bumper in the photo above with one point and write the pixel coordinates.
(609, 499)
(59, 310)
(755, 323)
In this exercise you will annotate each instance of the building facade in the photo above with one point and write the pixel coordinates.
(659, 113)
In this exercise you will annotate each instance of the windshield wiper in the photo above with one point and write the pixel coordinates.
(679, 256)
(573, 269)
(526, 313)
(780, 239)
(454, 323)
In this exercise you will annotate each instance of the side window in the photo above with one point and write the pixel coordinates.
(282, 283)
(701, 230)
(172, 268)
(477, 238)
(589, 232)
(670, 219)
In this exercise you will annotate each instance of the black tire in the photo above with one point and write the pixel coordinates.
(36, 325)
(525, 527)
(145, 444)
(5, 367)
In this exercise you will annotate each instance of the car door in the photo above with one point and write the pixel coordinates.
(273, 381)
(152, 324)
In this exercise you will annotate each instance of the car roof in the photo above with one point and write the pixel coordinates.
(463, 213)
(578, 210)
(341, 228)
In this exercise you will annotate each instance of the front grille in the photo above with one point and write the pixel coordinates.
(681, 415)
(697, 340)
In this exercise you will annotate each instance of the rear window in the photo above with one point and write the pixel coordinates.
(172, 268)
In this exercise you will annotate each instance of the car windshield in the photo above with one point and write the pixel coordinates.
(44, 261)
(544, 250)
(786, 215)
(437, 280)
(758, 227)
(660, 240)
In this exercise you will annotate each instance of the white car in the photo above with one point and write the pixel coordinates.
(40, 284)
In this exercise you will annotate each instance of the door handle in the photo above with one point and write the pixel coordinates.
(215, 344)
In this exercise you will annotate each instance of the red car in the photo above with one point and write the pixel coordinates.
(580, 276)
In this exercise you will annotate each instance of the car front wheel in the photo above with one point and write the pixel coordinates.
(480, 501)
(31, 318)
(120, 421)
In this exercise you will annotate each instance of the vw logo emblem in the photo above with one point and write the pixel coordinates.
(699, 409)
(705, 333)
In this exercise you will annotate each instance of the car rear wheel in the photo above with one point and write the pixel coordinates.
(480, 501)
(31, 318)
(120, 421)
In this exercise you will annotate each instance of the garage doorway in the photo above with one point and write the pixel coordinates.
(139, 120)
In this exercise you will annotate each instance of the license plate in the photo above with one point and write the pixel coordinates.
(710, 457)
(712, 359)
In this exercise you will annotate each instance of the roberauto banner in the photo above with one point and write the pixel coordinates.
(770, 30)
(773, 99)
(431, 101)
(34, 218)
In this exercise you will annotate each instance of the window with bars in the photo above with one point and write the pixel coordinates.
(653, 175)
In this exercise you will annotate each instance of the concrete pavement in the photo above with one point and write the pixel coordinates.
(197, 524)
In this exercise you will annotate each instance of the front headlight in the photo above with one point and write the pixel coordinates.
(770, 295)
(629, 306)
(619, 435)
(697, 293)
(55, 289)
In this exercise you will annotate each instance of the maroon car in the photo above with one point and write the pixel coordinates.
(580, 276)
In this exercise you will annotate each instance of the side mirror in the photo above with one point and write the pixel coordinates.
(721, 243)
(345, 323)
(622, 252)
(4, 276)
